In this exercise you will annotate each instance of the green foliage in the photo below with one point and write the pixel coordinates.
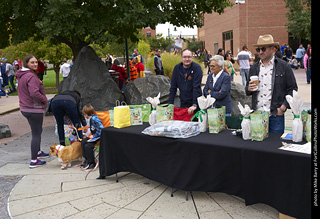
(158, 42)
(168, 61)
(299, 18)
(78, 23)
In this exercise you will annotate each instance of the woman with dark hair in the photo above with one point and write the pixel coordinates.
(67, 103)
(307, 64)
(33, 103)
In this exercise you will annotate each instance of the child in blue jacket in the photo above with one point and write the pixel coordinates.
(87, 144)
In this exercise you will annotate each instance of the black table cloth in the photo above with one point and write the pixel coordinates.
(256, 171)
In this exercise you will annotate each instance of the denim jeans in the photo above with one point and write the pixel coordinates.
(244, 74)
(276, 124)
(60, 108)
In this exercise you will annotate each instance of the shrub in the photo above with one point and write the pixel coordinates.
(168, 61)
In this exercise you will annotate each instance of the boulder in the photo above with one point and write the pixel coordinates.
(92, 79)
(238, 94)
(137, 91)
(4, 131)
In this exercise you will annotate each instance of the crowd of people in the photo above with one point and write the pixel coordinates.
(276, 80)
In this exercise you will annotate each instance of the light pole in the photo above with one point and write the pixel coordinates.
(174, 29)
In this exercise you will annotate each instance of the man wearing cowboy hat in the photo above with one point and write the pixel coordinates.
(276, 80)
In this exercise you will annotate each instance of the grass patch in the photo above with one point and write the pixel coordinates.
(49, 82)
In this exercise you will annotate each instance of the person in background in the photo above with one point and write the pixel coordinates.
(65, 69)
(158, 67)
(282, 48)
(288, 53)
(116, 66)
(139, 66)
(88, 143)
(300, 54)
(276, 80)
(220, 52)
(33, 103)
(133, 71)
(108, 61)
(218, 84)
(136, 53)
(243, 59)
(186, 76)
(40, 70)
(228, 66)
(307, 64)
(209, 56)
(10, 74)
(277, 51)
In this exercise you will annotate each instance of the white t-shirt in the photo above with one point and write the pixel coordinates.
(65, 69)
(243, 58)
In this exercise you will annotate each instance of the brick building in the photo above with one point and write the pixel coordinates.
(243, 24)
(148, 32)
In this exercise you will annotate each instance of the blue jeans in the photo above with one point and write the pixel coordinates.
(244, 74)
(60, 108)
(276, 124)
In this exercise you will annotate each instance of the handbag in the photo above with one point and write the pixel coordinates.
(259, 125)
(121, 116)
(217, 119)
(164, 112)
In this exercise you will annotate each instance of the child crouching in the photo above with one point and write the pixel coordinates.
(88, 143)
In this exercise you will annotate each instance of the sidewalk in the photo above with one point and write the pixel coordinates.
(54, 193)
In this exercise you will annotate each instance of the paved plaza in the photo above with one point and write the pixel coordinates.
(49, 192)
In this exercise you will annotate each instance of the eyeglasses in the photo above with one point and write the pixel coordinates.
(212, 66)
(187, 57)
(263, 49)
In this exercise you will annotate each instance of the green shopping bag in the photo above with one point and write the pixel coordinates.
(111, 117)
(259, 125)
(146, 110)
(164, 112)
(308, 128)
(136, 116)
(217, 119)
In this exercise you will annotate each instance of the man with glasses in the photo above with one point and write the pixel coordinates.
(276, 80)
(158, 67)
(186, 76)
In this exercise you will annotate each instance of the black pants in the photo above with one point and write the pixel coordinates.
(87, 150)
(35, 121)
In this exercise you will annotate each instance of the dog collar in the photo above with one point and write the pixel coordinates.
(59, 148)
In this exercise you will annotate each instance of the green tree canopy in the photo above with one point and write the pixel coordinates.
(78, 23)
(299, 18)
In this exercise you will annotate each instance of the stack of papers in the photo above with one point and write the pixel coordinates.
(300, 148)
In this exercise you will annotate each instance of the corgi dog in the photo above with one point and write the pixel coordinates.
(66, 154)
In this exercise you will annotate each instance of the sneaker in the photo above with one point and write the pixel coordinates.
(39, 163)
(84, 164)
(41, 154)
(91, 166)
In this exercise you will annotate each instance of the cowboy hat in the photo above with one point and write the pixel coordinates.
(265, 40)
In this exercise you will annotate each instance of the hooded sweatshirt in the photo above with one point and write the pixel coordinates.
(32, 97)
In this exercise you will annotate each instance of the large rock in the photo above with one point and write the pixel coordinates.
(4, 131)
(137, 91)
(91, 78)
(238, 94)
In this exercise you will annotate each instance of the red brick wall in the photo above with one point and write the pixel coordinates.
(247, 21)
(148, 30)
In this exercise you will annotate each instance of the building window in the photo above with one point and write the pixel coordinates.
(148, 34)
(227, 38)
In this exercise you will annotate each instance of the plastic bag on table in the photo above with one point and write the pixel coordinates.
(154, 102)
(173, 129)
(296, 104)
(246, 122)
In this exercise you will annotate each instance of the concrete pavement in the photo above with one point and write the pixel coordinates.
(54, 193)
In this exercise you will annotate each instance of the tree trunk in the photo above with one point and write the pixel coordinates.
(56, 69)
